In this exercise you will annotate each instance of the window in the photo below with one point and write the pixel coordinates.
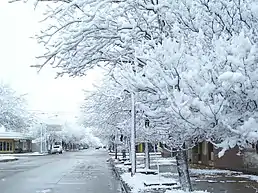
(11, 146)
(7, 146)
(4, 146)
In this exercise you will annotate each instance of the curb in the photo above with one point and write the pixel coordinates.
(8, 160)
(124, 186)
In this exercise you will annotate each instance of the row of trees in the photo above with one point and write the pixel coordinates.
(69, 134)
(190, 66)
(15, 116)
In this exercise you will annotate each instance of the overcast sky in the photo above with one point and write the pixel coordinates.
(18, 22)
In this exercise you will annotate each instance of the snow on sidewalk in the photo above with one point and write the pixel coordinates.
(226, 173)
(138, 181)
(7, 158)
(212, 172)
(181, 191)
(250, 177)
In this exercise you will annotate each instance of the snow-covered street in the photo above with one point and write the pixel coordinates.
(168, 88)
(71, 172)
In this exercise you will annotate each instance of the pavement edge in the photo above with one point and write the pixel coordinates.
(125, 188)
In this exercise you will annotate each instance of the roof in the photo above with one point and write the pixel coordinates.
(13, 135)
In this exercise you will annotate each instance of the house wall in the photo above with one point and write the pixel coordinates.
(230, 160)
(250, 159)
(35, 147)
(22, 146)
(205, 154)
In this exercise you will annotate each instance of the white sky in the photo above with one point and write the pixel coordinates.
(18, 22)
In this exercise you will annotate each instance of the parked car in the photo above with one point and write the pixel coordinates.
(57, 149)
(81, 148)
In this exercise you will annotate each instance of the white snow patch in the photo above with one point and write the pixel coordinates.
(212, 171)
(146, 170)
(181, 191)
(2, 158)
(136, 183)
(251, 177)
(165, 161)
(27, 154)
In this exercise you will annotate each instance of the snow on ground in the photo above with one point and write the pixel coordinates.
(250, 177)
(27, 154)
(3, 158)
(146, 170)
(209, 173)
(137, 154)
(199, 176)
(212, 172)
(136, 183)
(181, 191)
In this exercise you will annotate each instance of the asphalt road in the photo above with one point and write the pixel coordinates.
(71, 172)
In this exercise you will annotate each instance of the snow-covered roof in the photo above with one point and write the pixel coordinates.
(13, 135)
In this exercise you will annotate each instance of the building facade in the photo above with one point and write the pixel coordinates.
(206, 154)
(14, 142)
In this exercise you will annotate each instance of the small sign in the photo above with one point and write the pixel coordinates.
(22, 140)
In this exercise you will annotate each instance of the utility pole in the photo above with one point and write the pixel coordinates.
(45, 138)
(133, 136)
(41, 138)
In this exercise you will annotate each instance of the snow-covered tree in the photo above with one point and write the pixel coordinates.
(107, 109)
(83, 34)
(206, 79)
(192, 63)
(13, 113)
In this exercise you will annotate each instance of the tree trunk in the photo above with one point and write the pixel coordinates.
(130, 152)
(133, 136)
(115, 151)
(116, 142)
(147, 156)
(183, 171)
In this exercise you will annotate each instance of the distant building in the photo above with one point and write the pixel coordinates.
(206, 154)
(15, 142)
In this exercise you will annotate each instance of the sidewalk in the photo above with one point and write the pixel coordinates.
(212, 180)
